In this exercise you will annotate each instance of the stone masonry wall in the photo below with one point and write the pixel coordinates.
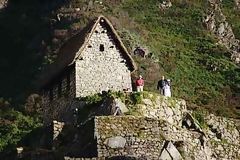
(53, 106)
(151, 126)
(145, 137)
(101, 70)
(140, 136)
(168, 109)
(158, 119)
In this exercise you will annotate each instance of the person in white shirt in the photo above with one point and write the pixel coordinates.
(167, 88)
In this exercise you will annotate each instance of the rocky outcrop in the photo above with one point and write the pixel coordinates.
(237, 2)
(170, 152)
(165, 4)
(216, 22)
(57, 128)
(158, 120)
(156, 128)
(221, 128)
(168, 109)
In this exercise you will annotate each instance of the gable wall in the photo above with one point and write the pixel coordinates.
(97, 70)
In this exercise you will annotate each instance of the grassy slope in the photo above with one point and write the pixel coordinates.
(186, 52)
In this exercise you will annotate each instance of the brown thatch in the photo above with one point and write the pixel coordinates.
(73, 48)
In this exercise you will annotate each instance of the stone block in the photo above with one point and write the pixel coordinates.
(165, 155)
(121, 105)
(116, 142)
(172, 150)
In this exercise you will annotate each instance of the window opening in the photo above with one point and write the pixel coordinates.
(101, 48)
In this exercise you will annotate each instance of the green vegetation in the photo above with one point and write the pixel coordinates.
(14, 125)
(136, 98)
(232, 13)
(91, 103)
(199, 116)
(200, 70)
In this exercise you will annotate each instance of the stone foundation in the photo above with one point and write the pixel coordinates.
(145, 137)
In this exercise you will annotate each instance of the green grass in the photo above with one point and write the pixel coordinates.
(14, 126)
(187, 53)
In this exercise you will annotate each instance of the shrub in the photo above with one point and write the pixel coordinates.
(199, 116)
(14, 126)
(136, 97)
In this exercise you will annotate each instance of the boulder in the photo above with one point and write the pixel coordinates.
(172, 150)
(237, 2)
(116, 142)
(165, 155)
(165, 4)
(121, 106)
(191, 123)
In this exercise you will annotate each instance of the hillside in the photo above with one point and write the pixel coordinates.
(179, 44)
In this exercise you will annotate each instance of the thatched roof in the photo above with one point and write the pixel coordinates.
(72, 49)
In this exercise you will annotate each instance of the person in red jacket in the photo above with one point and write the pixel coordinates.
(140, 84)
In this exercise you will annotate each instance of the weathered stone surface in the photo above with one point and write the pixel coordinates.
(190, 122)
(3, 4)
(160, 107)
(121, 106)
(57, 128)
(116, 142)
(237, 2)
(101, 66)
(147, 136)
(216, 22)
(165, 4)
(227, 128)
(173, 151)
(165, 155)
(159, 120)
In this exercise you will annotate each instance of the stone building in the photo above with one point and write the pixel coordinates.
(93, 61)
